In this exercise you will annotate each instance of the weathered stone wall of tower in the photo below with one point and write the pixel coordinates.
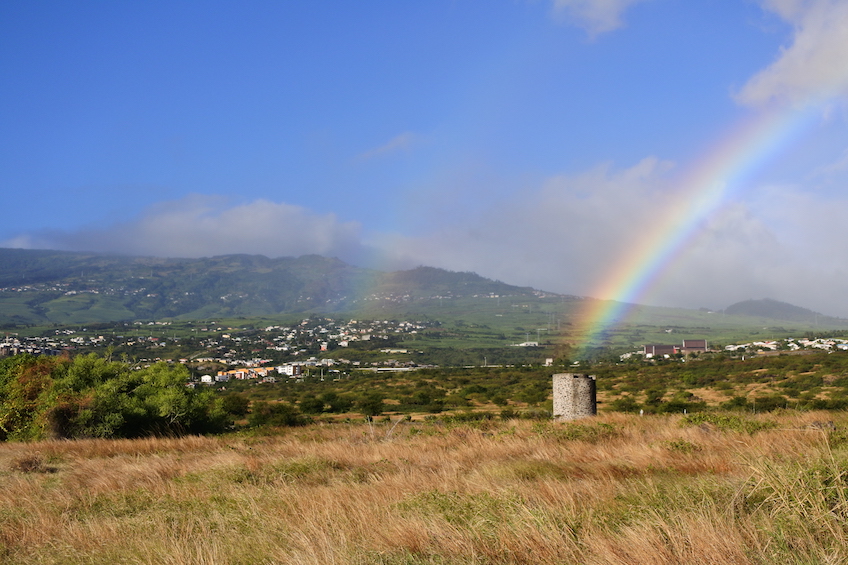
(575, 396)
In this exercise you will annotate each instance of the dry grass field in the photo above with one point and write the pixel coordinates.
(614, 489)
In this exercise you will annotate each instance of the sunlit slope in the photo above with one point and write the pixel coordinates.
(48, 287)
(57, 287)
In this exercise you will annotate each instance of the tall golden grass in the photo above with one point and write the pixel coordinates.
(615, 489)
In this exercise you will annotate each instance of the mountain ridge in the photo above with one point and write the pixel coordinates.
(775, 310)
(39, 286)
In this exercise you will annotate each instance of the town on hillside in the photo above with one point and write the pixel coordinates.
(691, 347)
(312, 342)
(324, 346)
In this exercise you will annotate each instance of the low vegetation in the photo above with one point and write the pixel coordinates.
(88, 396)
(729, 488)
(716, 460)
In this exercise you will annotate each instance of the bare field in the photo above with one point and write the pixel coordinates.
(614, 489)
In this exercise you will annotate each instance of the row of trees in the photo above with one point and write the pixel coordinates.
(92, 397)
(88, 396)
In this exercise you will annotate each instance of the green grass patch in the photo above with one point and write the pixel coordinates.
(727, 422)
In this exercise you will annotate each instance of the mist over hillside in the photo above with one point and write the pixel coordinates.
(776, 310)
(39, 286)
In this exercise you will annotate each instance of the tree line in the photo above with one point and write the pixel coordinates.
(90, 396)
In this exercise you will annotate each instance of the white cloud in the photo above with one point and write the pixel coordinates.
(401, 142)
(735, 256)
(571, 232)
(558, 237)
(813, 66)
(807, 223)
(201, 225)
(595, 16)
(840, 165)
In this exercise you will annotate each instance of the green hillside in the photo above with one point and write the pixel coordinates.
(466, 311)
(776, 310)
(38, 287)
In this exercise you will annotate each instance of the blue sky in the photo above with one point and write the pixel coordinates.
(526, 140)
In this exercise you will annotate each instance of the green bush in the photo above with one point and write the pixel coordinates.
(275, 414)
(575, 431)
(370, 404)
(311, 404)
(336, 403)
(625, 404)
(88, 396)
(727, 422)
(235, 404)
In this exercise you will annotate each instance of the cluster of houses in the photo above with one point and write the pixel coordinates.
(16, 347)
(689, 346)
(262, 374)
(13, 344)
(791, 344)
(765, 347)
(269, 374)
(239, 348)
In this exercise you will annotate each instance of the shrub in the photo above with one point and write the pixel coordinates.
(508, 414)
(275, 414)
(681, 446)
(336, 403)
(370, 405)
(625, 404)
(310, 404)
(574, 431)
(235, 404)
(727, 422)
(29, 463)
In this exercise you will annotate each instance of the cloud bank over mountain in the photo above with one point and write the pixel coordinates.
(561, 236)
(200, 225)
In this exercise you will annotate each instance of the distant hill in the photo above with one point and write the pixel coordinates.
(38, 286)
(776, 310)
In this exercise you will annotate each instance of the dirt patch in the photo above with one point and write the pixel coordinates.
(755, 389)
(709, 395)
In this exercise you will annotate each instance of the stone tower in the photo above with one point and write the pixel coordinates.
(575, 396)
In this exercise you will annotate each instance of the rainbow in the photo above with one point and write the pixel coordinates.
(720, 174)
